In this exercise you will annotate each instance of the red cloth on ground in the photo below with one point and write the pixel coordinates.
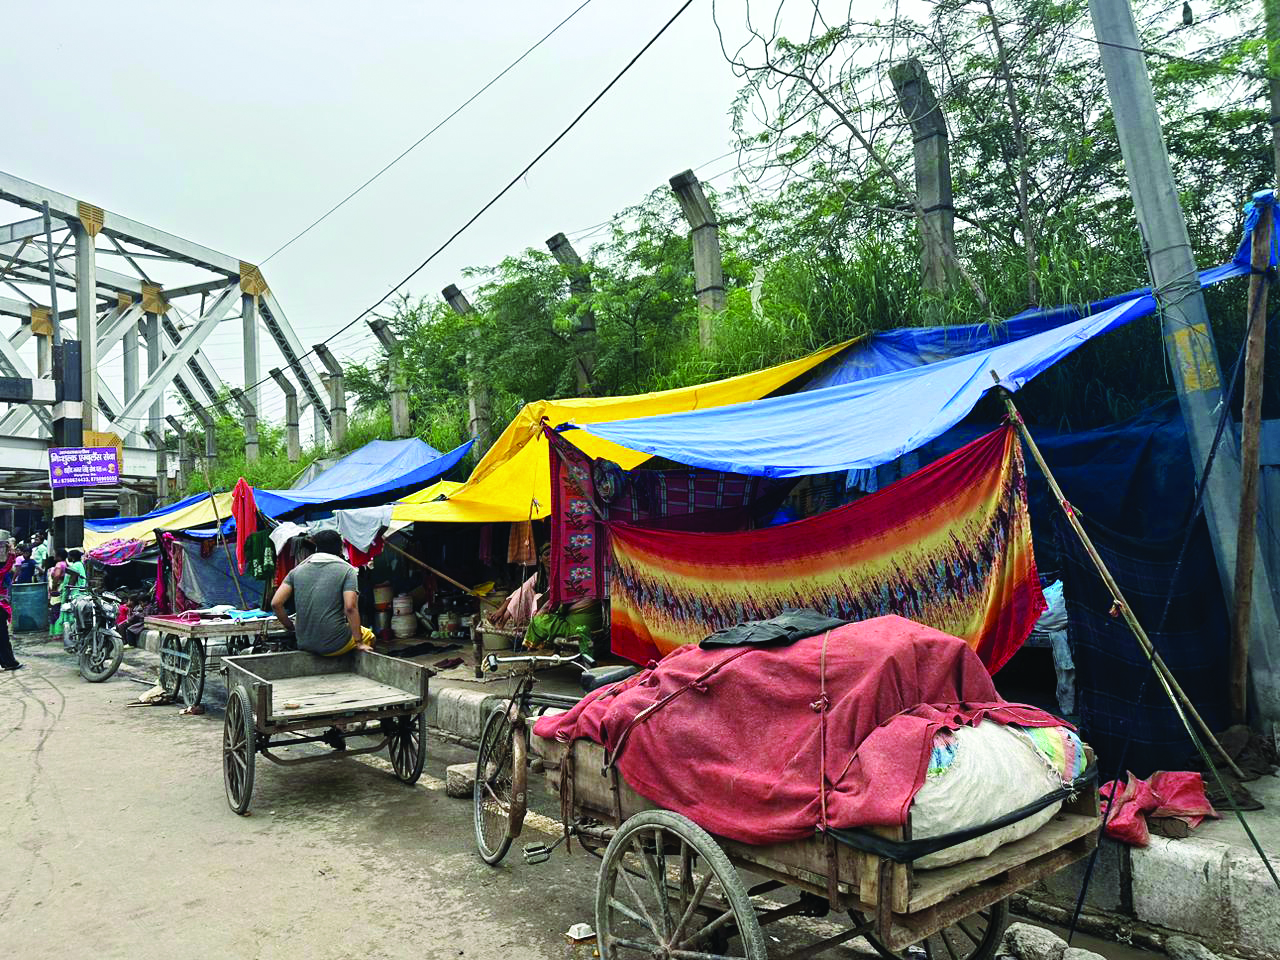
(739, 750)
(1165, 794)
(245, 511)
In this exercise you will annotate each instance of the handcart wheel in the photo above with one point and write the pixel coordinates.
(192, 682)
(492, 793)
(407, 744)
(239, 750)
(639, 908)
(171, 662)
(976, 937)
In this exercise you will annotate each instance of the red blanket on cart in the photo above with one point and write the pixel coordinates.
(745, 738)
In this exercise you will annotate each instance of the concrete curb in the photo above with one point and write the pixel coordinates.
(460, 713)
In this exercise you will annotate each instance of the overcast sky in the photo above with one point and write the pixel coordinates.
(235, 124)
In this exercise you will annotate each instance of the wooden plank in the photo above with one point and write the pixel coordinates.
(934, 886)
(318, 695)
(393, 671)
(291, 663)
(263, 626)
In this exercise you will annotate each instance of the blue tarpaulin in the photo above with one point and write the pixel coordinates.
(373, 473)
(896, 391)
(860, 424)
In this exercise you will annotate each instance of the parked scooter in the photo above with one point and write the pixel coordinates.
(92, 634)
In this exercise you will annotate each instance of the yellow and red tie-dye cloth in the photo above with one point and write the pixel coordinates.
(948, 546)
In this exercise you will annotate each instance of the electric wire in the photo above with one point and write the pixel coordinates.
(422, 139)
(490, 203)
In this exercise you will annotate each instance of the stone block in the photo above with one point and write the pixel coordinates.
(1027, 942)
(1184, 948)
(460, 780)
(461, 712)
(1108, 889)
(1075, 953)
(1181, 885)
(1254, 904)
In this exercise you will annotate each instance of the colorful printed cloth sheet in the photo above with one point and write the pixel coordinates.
(948, 546)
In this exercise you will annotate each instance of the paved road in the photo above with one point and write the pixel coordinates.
(118, 843)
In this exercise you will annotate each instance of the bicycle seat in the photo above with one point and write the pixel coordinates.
(593, 678)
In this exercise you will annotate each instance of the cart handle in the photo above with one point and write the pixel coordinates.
(579, 660)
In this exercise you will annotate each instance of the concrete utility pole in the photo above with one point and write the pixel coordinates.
(293, 436)
(337, 397)
(708, 270)
(584, 330)
(395, 376)
(933, 168)
(479, 410)
(1188, 336)
(250, 412)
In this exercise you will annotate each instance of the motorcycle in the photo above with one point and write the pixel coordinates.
(91, 633)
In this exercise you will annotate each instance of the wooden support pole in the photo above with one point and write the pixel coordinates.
(426, 566)
(1181, 702)
(1250, 432)
(932, 155)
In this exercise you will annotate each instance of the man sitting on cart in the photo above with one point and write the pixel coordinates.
(326, 601)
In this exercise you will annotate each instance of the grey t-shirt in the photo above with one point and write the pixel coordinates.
(318, 586)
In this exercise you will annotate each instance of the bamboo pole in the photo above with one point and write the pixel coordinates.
(426, 566)
(1181, 701)
(1250, 428)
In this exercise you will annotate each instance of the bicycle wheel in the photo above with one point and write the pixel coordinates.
(492, 794)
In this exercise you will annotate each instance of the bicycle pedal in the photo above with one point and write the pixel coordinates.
(536, 853)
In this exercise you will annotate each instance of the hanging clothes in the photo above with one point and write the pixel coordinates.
(520, 547)
(245, 511)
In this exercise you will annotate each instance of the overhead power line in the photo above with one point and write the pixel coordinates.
(422, 139)
(484, 209)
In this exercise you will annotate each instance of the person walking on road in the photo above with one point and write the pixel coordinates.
(7, 660)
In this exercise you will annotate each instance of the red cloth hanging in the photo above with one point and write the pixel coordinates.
(245, 512)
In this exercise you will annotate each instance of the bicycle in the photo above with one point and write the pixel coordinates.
(502, 768)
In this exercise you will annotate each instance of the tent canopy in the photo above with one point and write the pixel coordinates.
(512, 481)
(376, 472)
(894, 391)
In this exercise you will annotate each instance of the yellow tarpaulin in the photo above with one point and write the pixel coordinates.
(202, 513)
(513, 479)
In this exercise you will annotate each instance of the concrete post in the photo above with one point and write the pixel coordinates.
(585, 329)
(131, 382)
(318, 426)
(336, 384)
(250, 423)
(708, 271)
(1188, 336)
(395, 375)
(162, 462)
(186, 453)
(210, 436)
(932, 167)
(479, 407)
(293, 437)
(87, 321)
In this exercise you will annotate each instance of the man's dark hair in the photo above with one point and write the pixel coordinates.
(329, 541)
(60, 553)
(74, 555)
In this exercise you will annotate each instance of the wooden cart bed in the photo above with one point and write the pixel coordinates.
(921, 901)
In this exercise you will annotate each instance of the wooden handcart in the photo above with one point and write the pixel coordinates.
(275, 697)
(186, 647)
(668, 888)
